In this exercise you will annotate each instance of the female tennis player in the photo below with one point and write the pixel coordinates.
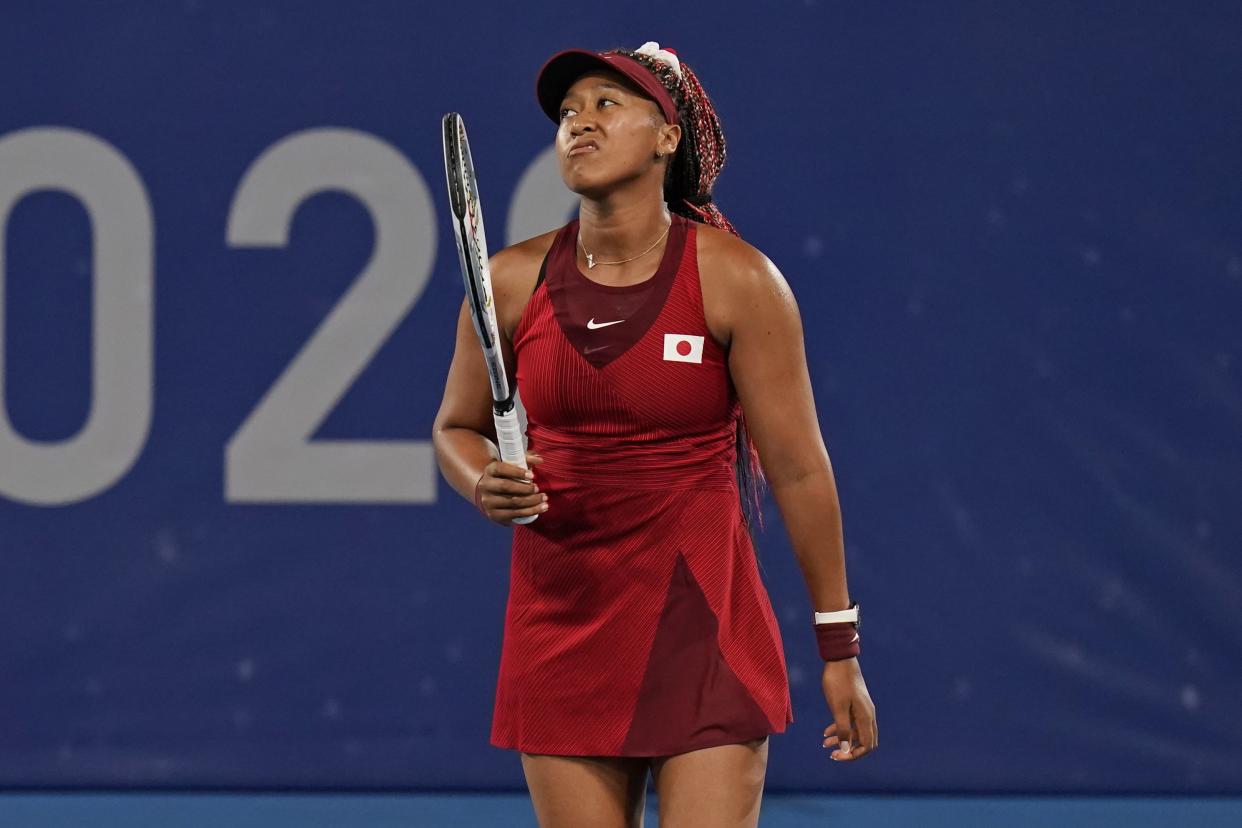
(660, 361)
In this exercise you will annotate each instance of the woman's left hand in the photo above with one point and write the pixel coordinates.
(854, 732)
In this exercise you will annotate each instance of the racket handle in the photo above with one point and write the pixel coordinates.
(509, 435)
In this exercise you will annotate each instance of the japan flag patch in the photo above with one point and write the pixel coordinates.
(683, 348)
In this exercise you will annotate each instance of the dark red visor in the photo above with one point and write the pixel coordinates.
(562, 69)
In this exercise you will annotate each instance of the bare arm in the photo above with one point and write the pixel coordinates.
(464, 432)
(767, 361)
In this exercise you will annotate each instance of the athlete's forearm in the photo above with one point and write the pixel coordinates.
(812, 515)
(462, 454)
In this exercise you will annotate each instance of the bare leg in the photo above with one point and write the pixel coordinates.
(719, 787)
(587, 791)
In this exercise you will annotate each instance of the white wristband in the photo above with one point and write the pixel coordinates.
(840, 616)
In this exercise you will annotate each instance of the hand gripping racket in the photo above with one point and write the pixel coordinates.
(472, 251)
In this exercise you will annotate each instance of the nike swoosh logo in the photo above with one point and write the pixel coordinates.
(592, 324)
(855, 638)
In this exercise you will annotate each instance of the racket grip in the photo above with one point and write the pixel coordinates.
(509, 435)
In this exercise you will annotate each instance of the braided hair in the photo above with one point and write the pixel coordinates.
(688, 182)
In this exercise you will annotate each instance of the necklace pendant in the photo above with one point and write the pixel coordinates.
(590, 261)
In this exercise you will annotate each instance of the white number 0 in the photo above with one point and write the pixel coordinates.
(111, 192)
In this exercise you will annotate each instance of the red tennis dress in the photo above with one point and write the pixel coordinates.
(637, 623)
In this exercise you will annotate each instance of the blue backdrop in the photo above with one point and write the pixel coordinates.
(229, 292)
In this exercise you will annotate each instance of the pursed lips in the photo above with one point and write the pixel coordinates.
(590, 146)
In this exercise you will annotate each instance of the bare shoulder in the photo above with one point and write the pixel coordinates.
(738, 280)
(515, 269)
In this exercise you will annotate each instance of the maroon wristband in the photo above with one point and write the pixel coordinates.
(837, 642)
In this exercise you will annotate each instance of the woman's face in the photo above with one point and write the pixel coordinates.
(609, 134)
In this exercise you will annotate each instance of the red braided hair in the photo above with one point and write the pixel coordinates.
(696, 165)
(688, 183)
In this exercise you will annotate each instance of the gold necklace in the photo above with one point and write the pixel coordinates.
(591, 256)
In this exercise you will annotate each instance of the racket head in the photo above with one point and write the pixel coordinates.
(471, 240)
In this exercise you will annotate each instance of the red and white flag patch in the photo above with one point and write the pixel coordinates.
(683, 348)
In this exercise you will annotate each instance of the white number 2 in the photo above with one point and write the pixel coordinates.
(272, 458)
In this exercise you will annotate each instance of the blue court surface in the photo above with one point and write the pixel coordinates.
(513, 810)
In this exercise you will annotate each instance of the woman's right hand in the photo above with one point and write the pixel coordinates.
(505, 492)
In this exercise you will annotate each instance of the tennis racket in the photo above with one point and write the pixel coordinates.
(472, 251)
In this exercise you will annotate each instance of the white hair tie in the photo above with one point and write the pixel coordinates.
(652, 50)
